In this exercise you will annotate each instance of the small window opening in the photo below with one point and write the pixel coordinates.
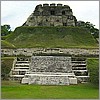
(57, 20)
(63, 12)
(52, 12)
(64, 24)
(46, 20)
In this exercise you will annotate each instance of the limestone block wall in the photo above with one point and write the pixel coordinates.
(50, 64)
(50, 21)
(49, 80)
(51, 15)
(31, 51)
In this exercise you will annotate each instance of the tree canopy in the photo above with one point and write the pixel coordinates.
(94, 31)
(5, 30)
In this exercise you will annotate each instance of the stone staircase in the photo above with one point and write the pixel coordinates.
(79, 67)
(19, 68)
(52, 68)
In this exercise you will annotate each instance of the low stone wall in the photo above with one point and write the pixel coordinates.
(31, 51)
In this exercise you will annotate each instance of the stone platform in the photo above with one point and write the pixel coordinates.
(50, 78)
(50, 70)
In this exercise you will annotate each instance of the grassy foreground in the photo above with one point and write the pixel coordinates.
(13, 90)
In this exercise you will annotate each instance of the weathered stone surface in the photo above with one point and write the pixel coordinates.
(50, 70)
(53, 15)
(50, 78)
(73, 80)
(31, 51)
(54, 68)
(19, 68)
(50, 64)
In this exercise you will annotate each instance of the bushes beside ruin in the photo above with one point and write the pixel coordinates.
(6, 65)
(93, 67)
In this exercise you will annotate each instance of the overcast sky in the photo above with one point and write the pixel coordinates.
(15, 13)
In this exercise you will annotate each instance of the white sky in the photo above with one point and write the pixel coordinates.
(15, 13)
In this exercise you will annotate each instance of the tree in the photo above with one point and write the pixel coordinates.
(94, 31)
(5, 30)
(81, 23)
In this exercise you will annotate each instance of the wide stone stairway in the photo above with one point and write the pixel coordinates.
(49, 70)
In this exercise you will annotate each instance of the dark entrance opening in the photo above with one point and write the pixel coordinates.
(63, 12)
(52, 12)
(64, 24)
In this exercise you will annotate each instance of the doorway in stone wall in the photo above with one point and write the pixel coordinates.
(64, 24)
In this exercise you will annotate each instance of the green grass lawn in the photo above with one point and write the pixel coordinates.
(13, 90)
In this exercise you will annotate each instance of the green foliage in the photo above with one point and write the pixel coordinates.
(10, 90)
(6, 65)
(6, 44)
(96, 33)
(93, 66)
(4, 71)
(52, 37)
(3, 37)
(90, 27)
(5, 30)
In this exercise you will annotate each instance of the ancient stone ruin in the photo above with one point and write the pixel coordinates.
(51, 15)
(49, 70)
(50, 64)
(19, 68)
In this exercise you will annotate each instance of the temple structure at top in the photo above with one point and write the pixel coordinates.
(51, 15)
